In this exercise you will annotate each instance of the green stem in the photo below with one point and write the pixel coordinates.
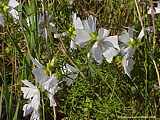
(157, 72)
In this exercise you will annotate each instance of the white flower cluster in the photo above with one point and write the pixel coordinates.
(12, 4)
(105, 46)
(49, 84)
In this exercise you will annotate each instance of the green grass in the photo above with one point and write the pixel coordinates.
(101, 91)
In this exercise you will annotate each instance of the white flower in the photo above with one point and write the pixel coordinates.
(31, 93)
(13, 4)
(105, 45)
(124, 38)
(90, 24)
(1, 19)
(71, 74)
(50, 84)
(127, 60)
(128, 51)
(14, 14)
(38, 71)
(83, 29)
(77, 22)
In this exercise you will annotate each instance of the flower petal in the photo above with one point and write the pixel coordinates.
(103, 33)
(36, 62)
(32, 93)
(127, 61)
(27, 109)
(128, 64)
(51, 86)
(39, 75)
(50, 83)
(110, 53)
(77, 22)
(92, 23)
(97, 53)
(38, 71)
(124, 37)
(13, 3)
(128, 52)
(130, 32)
(86, 26)
(105, 45)
(14, 14)
(27, 83)
(35, 115)
(82, 37)
(29, 91)
(113, 40)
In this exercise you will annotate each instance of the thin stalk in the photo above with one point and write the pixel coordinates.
(153, 23)
(146, 58)
(1, 100)
(146, 79)
(43, 111)
(16, 112)
(139, 14)
(54, 110)
(154, 39)
(157, 72)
